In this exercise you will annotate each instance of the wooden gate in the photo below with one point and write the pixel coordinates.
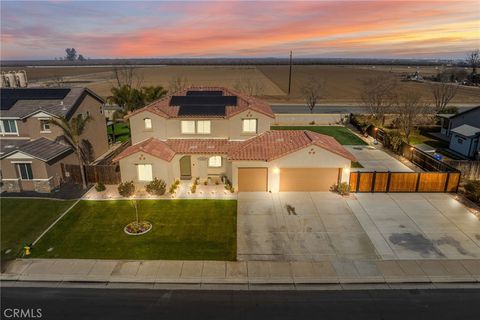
(404, 181)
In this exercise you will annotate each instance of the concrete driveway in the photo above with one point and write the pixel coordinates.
(298, 226)
(373, 159)
(418, 225)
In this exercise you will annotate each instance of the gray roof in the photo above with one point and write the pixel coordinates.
(466, 130)
(22, 102)
(42, 149)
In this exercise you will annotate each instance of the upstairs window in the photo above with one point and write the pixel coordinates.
(188, 127)
(25, 171)
(249, 125)
(45, 126)
(215, 161)
(148, 123)
(8, 127)
(203, 127)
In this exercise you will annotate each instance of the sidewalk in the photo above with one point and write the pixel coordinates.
(244, 274)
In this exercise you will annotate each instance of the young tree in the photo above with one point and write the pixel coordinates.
(378, 94)
(249, 86)
(442, 94)
(178, 83)
(473, 60)
(312, 92)
(412, 111)
(127, 75)
(72, 131)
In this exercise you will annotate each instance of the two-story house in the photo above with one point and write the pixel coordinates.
(32, 151)
(205, 132)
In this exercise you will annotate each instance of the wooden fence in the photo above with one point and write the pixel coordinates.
(107, 174)
(470, 169)
(404, 181)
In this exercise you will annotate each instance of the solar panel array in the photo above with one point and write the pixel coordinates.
(203, 103)
(9, 95)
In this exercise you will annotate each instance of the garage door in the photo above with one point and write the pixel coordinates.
(308, 179)
(252, 179)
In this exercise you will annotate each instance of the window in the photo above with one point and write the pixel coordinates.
(8, 126)
(203, 127)
(250, 125)
(45, 126)
(215, 161)
(148, 123)
(145, 172)
(25, 171)
(188, 127)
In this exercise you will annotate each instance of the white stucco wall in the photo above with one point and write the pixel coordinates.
(310, 157)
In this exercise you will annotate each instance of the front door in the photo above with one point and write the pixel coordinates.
(185, 168)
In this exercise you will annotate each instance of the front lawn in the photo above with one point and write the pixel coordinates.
(341, 134)
(182, 230)
(23, 220)
(122, 131)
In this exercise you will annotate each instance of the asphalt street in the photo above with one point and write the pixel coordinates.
(302, 108)
(78, 303)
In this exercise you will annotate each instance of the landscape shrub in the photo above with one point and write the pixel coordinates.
(126, 189)
(342, 188)
(193, 188)
(156, 187)
(100, 187)
(472, 190)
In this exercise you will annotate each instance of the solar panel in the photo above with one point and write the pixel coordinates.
(203, 100)
(10, 95)
(204, 93)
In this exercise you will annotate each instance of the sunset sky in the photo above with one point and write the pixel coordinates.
(145, 29)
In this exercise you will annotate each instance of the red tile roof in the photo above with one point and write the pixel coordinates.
(275, 144)
(152, 146)
(267, 146)
(217, 146)
(162, 106)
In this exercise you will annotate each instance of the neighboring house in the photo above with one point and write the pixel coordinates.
(218, 132)
(463, 131)
(32, 151)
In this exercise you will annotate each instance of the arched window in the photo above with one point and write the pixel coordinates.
(148, 123)
(215, 161)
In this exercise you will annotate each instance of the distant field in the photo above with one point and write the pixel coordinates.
(342, 83)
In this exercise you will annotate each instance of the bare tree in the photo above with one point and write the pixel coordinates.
(473, 59)
(127, 75)
(250, 86)
(442, 94)
(312, 92)
(412, 111)
(378, 94)
(178, 83)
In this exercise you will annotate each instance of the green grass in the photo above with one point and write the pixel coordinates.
(341, 134)
(182, 230)
(23, 220)
(417, 138)
(122, 131)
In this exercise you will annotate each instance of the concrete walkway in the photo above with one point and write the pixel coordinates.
(243, 274)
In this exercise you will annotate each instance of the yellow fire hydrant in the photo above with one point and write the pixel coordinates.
(27, 250)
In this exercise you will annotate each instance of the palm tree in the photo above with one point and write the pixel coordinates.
(72, 131)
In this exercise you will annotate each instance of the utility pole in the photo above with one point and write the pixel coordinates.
(290, 74)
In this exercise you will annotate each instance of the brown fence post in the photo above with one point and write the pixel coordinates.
(374, 178)
(388, 181)
(418, 181)
(358, 182)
